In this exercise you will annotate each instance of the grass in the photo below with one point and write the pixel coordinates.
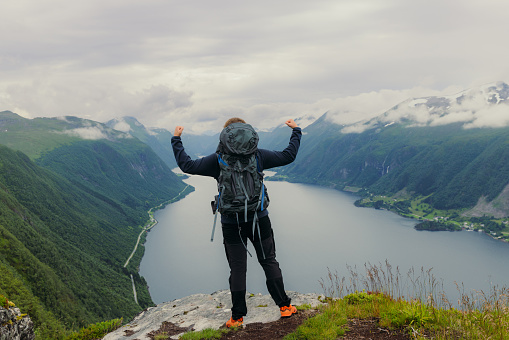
(424, 313)
(414, 303)
(207, 333)
(329, 324)
(6, 303)
(303, 307)
(96, 331)
(161, 337)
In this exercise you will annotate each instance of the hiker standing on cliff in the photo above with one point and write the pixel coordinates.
(237, 165)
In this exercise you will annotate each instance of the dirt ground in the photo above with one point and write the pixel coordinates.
(358, 329)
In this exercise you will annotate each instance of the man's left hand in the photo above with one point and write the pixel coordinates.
(291, 123)
(178, 131)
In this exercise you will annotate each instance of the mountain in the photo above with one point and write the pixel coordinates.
(159, 139)
(484, 106)
(70, 215)
(452, 150)
(36, 136)
(429, 146)
(74, 193)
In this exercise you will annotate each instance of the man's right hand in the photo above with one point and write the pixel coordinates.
(178, 131)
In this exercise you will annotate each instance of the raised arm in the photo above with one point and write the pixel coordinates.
(271, 159)
(205, 166)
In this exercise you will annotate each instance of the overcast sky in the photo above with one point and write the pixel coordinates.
(197, 63)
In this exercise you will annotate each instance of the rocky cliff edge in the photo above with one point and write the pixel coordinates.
(200, 311)
(14, 325)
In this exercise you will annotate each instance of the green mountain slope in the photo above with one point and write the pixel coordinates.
(128, 172)
(454, 166)
(69, 222)
(160, 139)
(65, 245)
(36, 136)
(157, 139)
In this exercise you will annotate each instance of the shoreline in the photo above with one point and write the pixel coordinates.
(466, 225)
(152, 222)
(147, 227)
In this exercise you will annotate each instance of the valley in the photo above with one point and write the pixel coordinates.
(70, 215)
(74, 193)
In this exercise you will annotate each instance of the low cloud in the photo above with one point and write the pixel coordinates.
(197, 63)
(353, 111)
(122, 126)
(453, 117)
(477, 108)
(494, 117)
(92, 133)
(365, 106)
(96, 101)
(165, 107)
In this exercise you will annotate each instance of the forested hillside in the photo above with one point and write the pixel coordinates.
(157, 139)
(70, 219)
(454, 163)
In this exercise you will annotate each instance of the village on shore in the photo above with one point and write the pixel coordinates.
(433, 219)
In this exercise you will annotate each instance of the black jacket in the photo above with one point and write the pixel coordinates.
(209, 166)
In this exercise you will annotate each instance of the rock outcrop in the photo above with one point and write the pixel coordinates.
(14, 325)
(200, 311)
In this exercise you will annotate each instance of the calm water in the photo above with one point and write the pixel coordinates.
(315, 229)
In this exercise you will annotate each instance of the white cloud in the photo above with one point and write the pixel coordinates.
(355, 128)
(356, 111)
(93, 133)
(453, 117)
(122, 126)
(364, 106)
(96, 101)
(473, 108)
(197, 62)
(496, 116)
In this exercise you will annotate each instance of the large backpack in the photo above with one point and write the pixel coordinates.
(240, 182)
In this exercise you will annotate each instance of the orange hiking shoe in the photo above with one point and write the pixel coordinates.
(234, 323)
(287, 311)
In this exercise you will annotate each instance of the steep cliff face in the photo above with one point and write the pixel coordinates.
(14, 325)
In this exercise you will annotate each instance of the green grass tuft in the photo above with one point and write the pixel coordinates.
(207, 333)
(304, 307)
(329, 324)
(96, 331)
(428, 314)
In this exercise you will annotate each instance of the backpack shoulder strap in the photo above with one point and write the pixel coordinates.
(220, 160)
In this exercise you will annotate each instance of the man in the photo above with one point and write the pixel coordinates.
(236, 232)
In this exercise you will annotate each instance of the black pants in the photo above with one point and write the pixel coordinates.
(236, 255)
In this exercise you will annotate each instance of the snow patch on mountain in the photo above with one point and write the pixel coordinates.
(486, 106)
